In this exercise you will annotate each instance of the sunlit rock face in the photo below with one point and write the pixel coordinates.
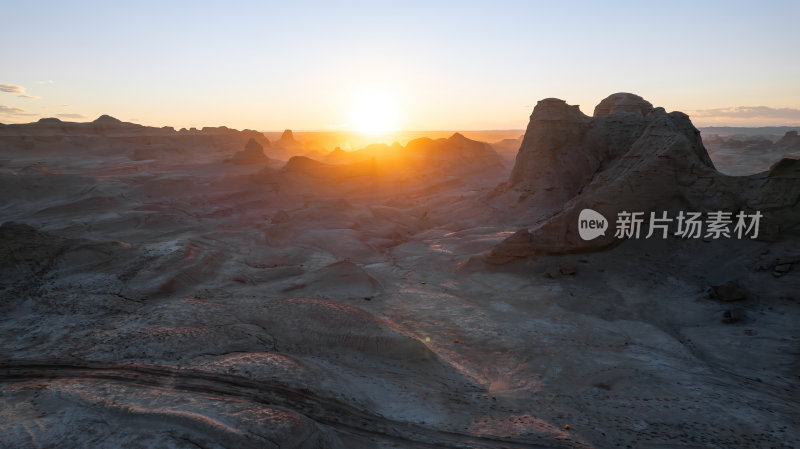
(455, 152)
(629, 157)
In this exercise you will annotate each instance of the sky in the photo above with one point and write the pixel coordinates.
(430, 65)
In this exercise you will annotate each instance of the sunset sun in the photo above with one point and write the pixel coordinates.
(374, 113)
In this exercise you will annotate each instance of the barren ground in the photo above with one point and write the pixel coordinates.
(200, 304)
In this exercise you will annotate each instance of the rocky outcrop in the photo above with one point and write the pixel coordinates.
(789, 142)
(337, 156)
(109, 122)
(141, 142)
(456, 155)
(456, 151)
(629, 161)
(303, 164)
(253, 153)
(622, 101)
(746, 143)
(320, 171)
(110, 136)
(563, 149)
(287, 141)
(507, 148)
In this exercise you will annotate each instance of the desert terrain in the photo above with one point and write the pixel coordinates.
(217, 288)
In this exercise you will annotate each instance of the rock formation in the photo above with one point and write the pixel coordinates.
(754, 143)
(337, 156)
(253, 153)
(629, 158)
(508, 148)
(456, 151)
(622, 101)
(287, 141)
(562, 148)
(138, 141)
(304, 166)
(789, 142)
(455, 155)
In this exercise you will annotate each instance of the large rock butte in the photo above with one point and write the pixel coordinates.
(629, 157)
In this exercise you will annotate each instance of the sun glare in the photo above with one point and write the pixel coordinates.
(374, 114)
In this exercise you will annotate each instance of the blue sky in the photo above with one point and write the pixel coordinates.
(444, 65)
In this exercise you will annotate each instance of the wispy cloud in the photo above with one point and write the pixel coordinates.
(11, 88)
(14, 89)
(748, 113)
(70, 115)
(10, 111)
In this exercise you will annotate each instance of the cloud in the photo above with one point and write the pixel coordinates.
(10, 111)
(749, 113)
(14, 89)
(70, 115)
(11, 88)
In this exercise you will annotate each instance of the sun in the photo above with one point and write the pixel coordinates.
(374, 113)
